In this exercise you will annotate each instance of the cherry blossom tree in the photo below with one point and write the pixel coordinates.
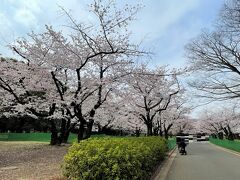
(175, 116)
(109, 115)
(150, 92)
(28, 89)
(86, 65)
(184, 125)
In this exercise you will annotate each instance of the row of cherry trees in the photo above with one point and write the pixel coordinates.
(214, 59)
(214, 56)
(89, 77)
(221, 122)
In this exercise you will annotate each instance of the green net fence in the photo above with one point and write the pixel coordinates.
(171, 143)
(42, 137)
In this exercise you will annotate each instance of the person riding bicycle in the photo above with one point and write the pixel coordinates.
(182, 145)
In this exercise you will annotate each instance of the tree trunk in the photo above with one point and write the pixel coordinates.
(54, 135)
(166, 133)
(89, 128)
(62, 131)
(220, 135)
(149, 129)
(225, 132)
(161, 133)
(100, 130)
(137, 132)
(166, 130)
(66, 136)
(160, 128)
(91, 121)
(68, 130)
(230, 134)
(214, 136)
(81, 132)
(155, 131)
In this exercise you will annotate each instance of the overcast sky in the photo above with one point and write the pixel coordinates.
(164, 25)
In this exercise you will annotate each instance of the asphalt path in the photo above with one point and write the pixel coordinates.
(205, 161)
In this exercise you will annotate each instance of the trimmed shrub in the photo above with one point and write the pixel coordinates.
(114, 158)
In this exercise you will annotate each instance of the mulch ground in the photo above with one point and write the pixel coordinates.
(30, 160)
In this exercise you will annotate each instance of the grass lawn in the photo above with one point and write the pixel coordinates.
(233, 145)
(45, 137)
(33, 158)
(41, 137)
(30, 160)
(14, 145)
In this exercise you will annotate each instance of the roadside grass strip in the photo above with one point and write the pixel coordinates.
(232, 145)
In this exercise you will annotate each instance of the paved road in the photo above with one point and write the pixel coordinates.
(205, 162)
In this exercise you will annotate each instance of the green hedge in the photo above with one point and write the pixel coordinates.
(233, 145)
(114, 158)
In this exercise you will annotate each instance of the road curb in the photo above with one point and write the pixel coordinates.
(163, 169)
(170, 152)
(226, 150)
